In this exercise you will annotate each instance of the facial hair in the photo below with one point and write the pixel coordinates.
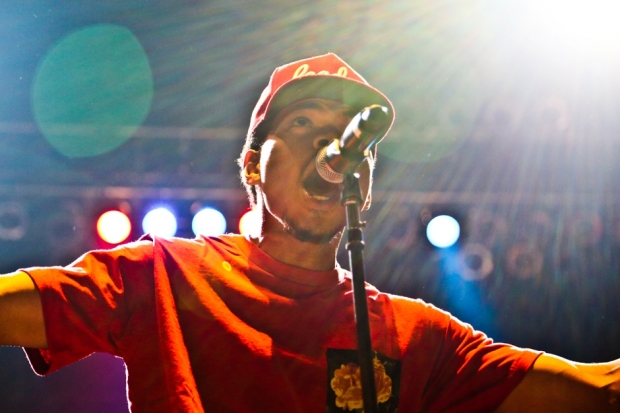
(310, 236)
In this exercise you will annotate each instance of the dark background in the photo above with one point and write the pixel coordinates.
(502, 120)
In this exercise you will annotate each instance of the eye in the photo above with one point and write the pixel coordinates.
(301, 121)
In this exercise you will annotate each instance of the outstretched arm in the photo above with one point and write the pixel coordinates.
(558, 385)
(21, 314)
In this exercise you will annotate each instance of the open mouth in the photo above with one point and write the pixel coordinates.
(319, 189)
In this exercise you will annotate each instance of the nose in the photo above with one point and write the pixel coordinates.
(320, 142)
(325, 137)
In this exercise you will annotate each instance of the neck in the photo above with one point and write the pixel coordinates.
(289, 250)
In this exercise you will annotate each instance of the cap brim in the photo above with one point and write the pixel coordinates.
(355, 94)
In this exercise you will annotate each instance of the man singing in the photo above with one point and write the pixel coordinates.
(265, 322)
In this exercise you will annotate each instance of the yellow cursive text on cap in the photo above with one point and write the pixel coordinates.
(303, 70)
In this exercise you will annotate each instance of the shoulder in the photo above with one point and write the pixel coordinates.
(197, 249)
(417, 324)
(229, 242)
(415, 310)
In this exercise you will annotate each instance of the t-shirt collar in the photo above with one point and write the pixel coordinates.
(300, 276)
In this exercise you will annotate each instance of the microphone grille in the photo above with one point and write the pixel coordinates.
(324, 170)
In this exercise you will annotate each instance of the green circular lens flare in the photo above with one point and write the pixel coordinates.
(92, 91)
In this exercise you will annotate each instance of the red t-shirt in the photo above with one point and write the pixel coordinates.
(215, 324)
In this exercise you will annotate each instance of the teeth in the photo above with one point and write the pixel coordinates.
(320, 197)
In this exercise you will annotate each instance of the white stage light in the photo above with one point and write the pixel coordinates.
(209, 222)
(443, 231)
(586, 30)
(160, 222)
(250, 223)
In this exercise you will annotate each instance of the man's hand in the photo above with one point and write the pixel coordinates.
(555, 384)
(21, 314)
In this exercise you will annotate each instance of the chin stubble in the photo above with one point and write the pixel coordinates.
(309, 236)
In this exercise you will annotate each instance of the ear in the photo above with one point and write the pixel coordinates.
(251, 167)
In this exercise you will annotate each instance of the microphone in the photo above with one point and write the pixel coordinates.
(344, 155)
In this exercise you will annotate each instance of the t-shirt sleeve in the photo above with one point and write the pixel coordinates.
(87, 304)
(472, 373)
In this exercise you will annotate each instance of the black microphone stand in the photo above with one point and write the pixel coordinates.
(352, 200)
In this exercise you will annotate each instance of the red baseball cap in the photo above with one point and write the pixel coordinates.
(326, 76)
